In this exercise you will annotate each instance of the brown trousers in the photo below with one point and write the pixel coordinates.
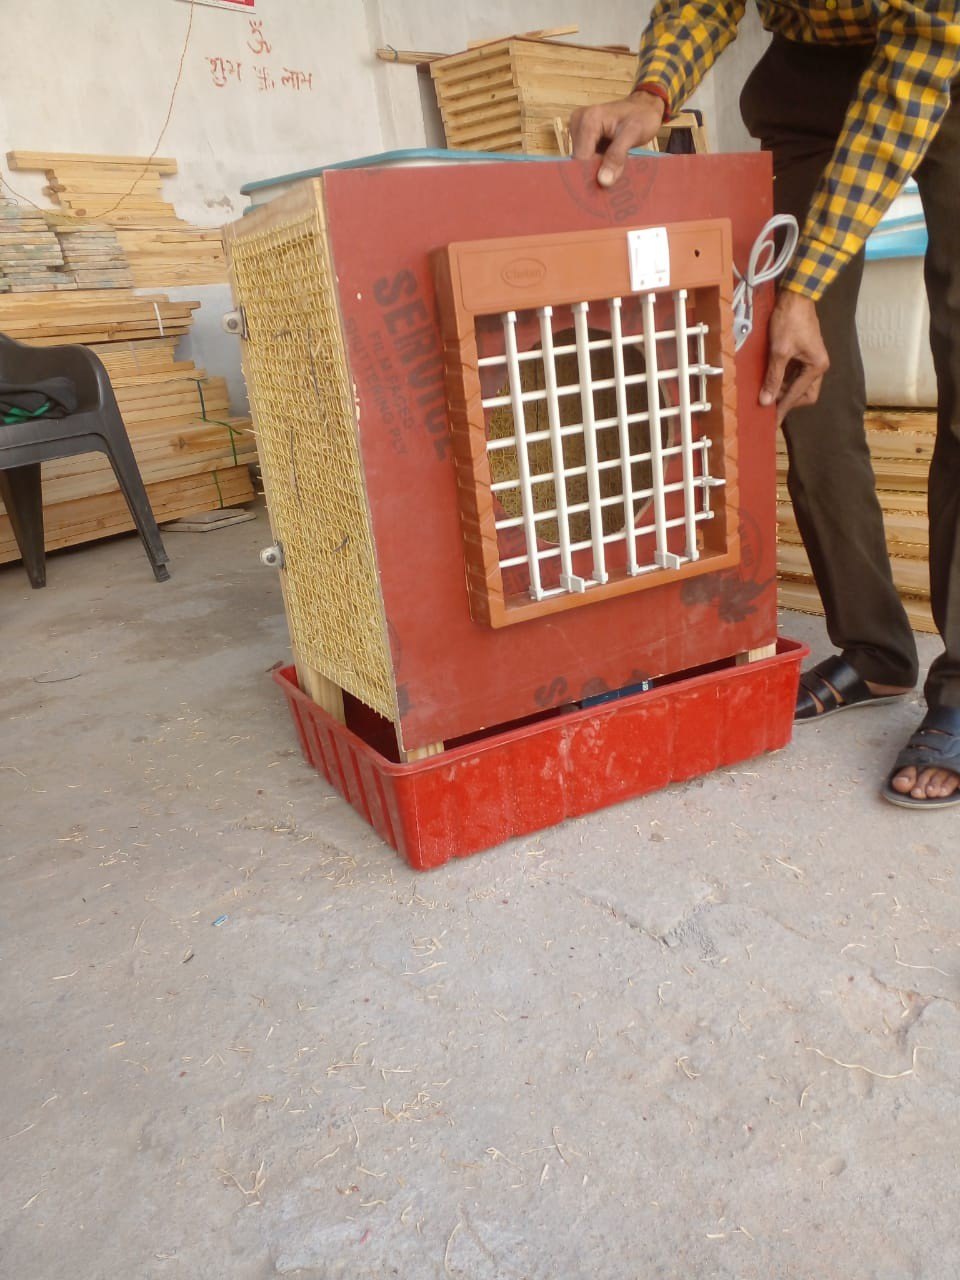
(794, 103)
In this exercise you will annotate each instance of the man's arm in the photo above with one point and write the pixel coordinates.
(678, 47)
(680, 44)
(901, 100)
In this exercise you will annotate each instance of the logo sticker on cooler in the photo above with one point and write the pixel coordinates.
(649, 252)
(523, 273)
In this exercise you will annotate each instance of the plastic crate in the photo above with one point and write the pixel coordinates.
(567, 763)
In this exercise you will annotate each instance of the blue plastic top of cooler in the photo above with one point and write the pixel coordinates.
(412, 157)
(902, 232)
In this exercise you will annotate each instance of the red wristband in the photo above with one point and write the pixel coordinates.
(658, 92)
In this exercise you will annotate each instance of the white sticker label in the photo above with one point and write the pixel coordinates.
(649, 259)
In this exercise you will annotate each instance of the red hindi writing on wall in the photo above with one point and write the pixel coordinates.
(224, 70)
(258, 42)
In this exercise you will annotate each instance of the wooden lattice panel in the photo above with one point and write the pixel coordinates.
(621, 464)
(305, 415)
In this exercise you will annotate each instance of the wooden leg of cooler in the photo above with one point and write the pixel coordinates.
(422, 753)
(324, 692)
(757, 655)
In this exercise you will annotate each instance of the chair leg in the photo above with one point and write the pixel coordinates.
(23, 498)
(131, 484)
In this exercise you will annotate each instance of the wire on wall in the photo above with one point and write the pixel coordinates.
(173, 97)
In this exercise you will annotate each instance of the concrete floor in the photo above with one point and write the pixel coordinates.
(711, 1033)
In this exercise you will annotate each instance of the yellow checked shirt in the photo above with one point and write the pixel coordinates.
(893, 119)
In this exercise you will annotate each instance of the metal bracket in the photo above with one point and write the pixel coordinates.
(273, 557)
(235, 322)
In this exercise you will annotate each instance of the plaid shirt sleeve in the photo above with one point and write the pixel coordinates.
(903, 96)
(681, 44)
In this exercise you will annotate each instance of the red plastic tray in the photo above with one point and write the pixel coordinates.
(526, 778)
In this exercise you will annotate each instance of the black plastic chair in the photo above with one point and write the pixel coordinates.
(96, 426)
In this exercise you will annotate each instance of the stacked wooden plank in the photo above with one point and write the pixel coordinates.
(31, 259)
(508, 94)
(125, 192)
(193, 455)
(92, 316)
(164, 255)
(90, 186)
(901, 446)
(113, 230)
(92, 253)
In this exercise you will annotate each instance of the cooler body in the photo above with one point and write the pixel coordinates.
(508, 450)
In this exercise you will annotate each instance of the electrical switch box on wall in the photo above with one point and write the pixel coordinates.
(509, 454)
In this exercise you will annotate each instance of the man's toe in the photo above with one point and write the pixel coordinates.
(944, 784)
(904, 781)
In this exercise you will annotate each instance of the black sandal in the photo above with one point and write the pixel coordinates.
(935, 745)
(832, 686)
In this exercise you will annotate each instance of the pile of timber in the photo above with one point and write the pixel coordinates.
(111, 231)
(92, 316)
(901, 446)
(92, 253)
(31, 258)
(193, 455)
(125, 192)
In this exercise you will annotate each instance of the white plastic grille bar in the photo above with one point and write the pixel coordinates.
(662, 556)
(623, 416)
(690, 377)
(686, 422)
(523, 455)
(568, 580)
(580, 310)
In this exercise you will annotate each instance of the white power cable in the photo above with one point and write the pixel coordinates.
(765, 264)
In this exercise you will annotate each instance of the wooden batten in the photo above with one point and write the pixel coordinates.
(125, 194)
(901, 447)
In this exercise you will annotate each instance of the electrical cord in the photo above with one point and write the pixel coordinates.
(764, 264)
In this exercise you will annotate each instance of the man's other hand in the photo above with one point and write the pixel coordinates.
(798, 359)
(612, 129)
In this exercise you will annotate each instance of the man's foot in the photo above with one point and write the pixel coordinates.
(833, 685)
(927, 771)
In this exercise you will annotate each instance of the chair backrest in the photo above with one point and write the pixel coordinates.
(22, 364)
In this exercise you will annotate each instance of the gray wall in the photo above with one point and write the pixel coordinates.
(112, 91)
(729, 76)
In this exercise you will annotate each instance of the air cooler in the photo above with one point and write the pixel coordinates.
(517, 475)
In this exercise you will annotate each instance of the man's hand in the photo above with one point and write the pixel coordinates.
(613, 129)
(798, 359)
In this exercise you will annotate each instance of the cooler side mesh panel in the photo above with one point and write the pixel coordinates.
(296, 370)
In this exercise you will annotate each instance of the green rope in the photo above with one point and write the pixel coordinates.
(218, 422)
